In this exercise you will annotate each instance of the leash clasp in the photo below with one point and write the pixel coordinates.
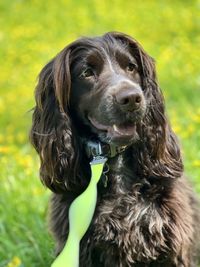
(98, 160)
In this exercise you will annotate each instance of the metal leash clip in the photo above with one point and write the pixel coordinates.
(95, 149)
(95, 152)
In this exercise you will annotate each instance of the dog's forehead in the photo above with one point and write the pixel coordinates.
(98, 50)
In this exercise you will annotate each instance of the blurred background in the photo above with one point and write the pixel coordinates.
(34, 31)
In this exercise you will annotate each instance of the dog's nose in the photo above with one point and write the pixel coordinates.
(128, 100)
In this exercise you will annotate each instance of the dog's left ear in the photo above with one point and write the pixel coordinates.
(52, 133)
(160, 155)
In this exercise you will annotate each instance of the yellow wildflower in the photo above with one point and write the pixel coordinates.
(21, 137)
(25, 161)
(4, 149)
(196, 118)
(2, 105)
(196, 163)
(15, 262)
(177, 129)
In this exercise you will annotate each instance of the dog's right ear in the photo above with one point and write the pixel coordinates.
(52, 132)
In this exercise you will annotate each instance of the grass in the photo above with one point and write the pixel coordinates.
(32, 32)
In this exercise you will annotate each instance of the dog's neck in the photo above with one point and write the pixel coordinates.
(96, 150)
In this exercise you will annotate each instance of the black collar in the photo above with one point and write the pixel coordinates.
(95, 149)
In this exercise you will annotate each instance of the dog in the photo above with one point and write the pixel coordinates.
(104, 91)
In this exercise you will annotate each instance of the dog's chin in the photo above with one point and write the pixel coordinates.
(122, 134)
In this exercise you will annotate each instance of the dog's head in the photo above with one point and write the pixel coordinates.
(101, 88)
(107, 98)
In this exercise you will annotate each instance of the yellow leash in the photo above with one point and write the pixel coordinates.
(80, 215)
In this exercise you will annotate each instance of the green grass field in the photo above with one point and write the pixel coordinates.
(32, 32)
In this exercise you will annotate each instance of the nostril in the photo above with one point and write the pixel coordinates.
(124, 101)
(138, 99)
(130, 100)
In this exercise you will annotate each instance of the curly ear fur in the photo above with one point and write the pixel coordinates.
(52, 132)
(163, 156)
(159, 152)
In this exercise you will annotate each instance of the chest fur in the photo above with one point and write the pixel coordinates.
(138, 225)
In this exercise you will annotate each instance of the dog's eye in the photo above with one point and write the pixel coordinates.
(87, 73)
(131, 67)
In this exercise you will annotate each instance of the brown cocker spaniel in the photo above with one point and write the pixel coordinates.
(103, 92)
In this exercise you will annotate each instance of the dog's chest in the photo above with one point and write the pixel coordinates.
(132, 222)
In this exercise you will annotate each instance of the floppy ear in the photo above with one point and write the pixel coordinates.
(52, 133)
(159, 152)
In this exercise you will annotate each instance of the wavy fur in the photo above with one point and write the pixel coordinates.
(147, 215)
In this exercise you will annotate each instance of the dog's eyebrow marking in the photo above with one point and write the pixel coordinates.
(113, 70)
(108, 61)
(110, 65)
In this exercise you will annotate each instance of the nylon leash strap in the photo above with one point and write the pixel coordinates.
(80, 216)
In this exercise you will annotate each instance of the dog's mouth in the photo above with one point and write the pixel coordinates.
(120, 134)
